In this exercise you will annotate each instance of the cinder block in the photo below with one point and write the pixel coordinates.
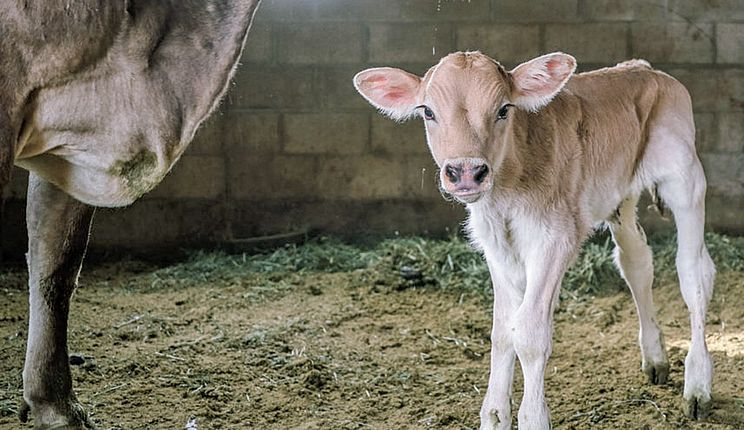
(730, 40)
(444, 10)
(268, 177)
(336, 89)
(361, 177)
(409, 43)
(159, 224)
(272, 87)
(673, 42)
(253, 131)
(507, 44)
(403, 10)
(193, 177)
(358, 10)
(421, 178)
(725, 173)
(286, 10)
(326, 133)
(319, 43)
(208, 137)
(589, 43)
(390, 137)
(708, 10)
(625, 10)
(704, 87)
(723, 213)
(534, 11)
(706, 132)
(258, 45)
(731, 132)
(731, 90)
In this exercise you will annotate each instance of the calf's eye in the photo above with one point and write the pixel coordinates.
(503, 111)
(428, 114)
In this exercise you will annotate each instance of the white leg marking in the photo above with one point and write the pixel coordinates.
(686, 197)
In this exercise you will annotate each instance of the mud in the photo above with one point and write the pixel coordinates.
(352, 351)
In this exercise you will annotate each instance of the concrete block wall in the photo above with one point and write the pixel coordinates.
(294, 146)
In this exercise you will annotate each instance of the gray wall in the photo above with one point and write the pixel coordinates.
(294, 146)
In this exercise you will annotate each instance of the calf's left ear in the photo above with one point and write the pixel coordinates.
(392, 91)
(536, 82)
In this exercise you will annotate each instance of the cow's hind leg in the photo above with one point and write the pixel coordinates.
(634, 260)
(684, 194)
(58, 228)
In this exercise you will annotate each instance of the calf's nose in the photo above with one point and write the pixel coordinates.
(453, 172)
(480, 173)
(466, 174)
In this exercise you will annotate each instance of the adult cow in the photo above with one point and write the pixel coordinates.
(98, 100)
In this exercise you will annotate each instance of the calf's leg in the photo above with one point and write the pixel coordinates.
(685, 196)
(58, 229)
(532, 327)
(495, 413)
(634, 260)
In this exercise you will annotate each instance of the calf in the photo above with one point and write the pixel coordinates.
(98, 100)
(540, 157)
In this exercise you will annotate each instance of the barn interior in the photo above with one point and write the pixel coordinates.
(299, 268)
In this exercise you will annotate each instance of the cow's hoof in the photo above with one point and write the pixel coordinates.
(76, 419)
(23, 411)
(698, 408)
(658, 373)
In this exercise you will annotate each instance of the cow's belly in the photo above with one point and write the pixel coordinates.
(99, 169)
(106, 141)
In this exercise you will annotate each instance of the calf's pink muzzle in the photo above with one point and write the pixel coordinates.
(466, 179)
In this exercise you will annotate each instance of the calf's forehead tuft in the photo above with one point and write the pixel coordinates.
(467, 71)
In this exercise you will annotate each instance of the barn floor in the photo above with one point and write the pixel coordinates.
(350, 349)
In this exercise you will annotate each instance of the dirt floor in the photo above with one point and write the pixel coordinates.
(351, 351)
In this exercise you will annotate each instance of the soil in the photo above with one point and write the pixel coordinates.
(353, 351)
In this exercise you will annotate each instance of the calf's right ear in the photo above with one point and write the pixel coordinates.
(392, 91)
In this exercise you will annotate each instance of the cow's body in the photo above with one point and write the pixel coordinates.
(98, 100)
(539, 166)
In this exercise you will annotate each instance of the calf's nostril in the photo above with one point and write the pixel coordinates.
(480, 173)
(453, 173)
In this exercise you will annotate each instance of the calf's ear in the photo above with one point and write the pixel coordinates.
(392, 91)
(536, 82)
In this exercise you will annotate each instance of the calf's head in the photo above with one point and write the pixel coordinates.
(466, 102)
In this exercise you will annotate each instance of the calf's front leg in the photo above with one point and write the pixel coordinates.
(58, 229)
(532, 331)
(495, 413)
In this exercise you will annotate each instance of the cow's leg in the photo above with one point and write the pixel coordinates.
(495, 413)
(7, 147)
(685, 196)
(634, 260)
(58, 228)
(532, 326)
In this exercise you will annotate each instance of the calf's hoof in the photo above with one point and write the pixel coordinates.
(698, 408)
(75, 419)
(658, 373)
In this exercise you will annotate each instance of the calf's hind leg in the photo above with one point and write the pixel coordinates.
(634, 260)
(58, 229)
(685, 196)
